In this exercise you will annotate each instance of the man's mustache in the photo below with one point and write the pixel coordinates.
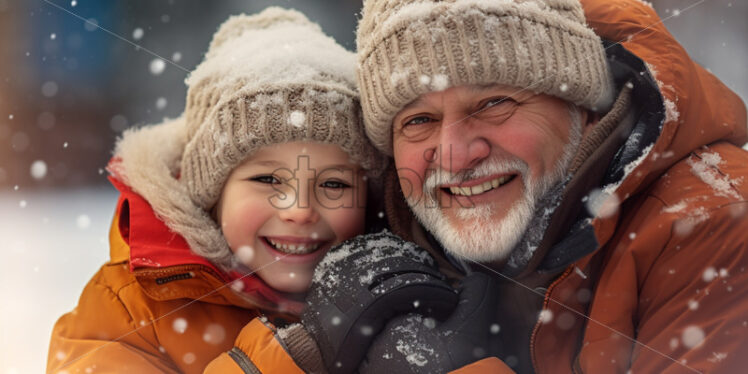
(492, 166)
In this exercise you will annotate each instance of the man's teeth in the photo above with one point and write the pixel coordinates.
(294, 248)
(479, 189)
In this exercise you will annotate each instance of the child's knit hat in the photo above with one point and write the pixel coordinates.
(269, 78)
(410, 47)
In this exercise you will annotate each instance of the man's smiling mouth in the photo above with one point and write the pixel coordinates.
(479, 188)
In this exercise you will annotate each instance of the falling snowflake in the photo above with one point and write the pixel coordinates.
(693, 304)
(214, 334)
(138, 33)
(602, 204)
(53, 36)
(91, 24)
(297, 118)
(564, 87)
(189, 358)
(73, 3)
(545, 316)
(245, 254)
(335, 320)
(709, 274)
(237, 285)
(495, 328)
(157, 66)
(674, 344)
(440, 82)
(83, 221)
(367, 330)
(179, 325)
(692, 336)
(118, 123)
(161, 103)
(38, 169)
(49, 89)
(176, 57)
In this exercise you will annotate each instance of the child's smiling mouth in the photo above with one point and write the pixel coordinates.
(293, 246)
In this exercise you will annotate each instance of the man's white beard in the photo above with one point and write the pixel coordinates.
(481, 238)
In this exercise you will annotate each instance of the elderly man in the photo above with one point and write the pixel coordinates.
(600, 183)
(577, 156)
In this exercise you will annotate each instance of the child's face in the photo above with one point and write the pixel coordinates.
(284, 207)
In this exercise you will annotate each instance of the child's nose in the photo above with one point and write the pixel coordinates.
(299, 214)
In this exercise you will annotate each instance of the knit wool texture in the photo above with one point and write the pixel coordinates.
(267, 79)
(407, 48)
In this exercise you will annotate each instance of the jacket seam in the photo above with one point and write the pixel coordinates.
(132, 323)
(661, 250)
(123, 305)
(244, 362)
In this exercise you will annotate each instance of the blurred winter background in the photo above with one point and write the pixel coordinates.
(75, 73)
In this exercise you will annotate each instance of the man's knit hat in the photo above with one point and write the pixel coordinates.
(410, 47)
(269, 78)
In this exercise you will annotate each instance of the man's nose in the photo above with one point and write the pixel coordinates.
(462, 144)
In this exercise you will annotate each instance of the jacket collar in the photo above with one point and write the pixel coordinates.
(166, 268)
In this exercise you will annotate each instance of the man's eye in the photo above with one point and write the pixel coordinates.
(267, 179)
(335, 184)
(497, 101)
(417, 121)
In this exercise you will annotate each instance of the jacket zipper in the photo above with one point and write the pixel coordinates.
(243, 361)
(546, 301)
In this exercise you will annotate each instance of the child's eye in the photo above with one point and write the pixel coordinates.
(335, 184)
(267, 179)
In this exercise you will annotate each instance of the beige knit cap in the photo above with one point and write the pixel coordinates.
(410, 47)
(269, 78)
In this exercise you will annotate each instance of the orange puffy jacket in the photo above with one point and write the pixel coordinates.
(156, 307)
(670, 264)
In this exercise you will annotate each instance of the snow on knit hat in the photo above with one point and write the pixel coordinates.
(410, 47)
(269, 78)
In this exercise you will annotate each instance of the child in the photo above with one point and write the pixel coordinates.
(225, 211)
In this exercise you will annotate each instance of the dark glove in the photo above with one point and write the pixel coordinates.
(360, 285)
(416, 344)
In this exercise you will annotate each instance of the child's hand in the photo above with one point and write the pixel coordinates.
(363, 283)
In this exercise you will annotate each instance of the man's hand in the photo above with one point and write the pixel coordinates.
(417, 344)
(363, 283)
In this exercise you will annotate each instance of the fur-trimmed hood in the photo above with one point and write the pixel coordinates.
(147, 159)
